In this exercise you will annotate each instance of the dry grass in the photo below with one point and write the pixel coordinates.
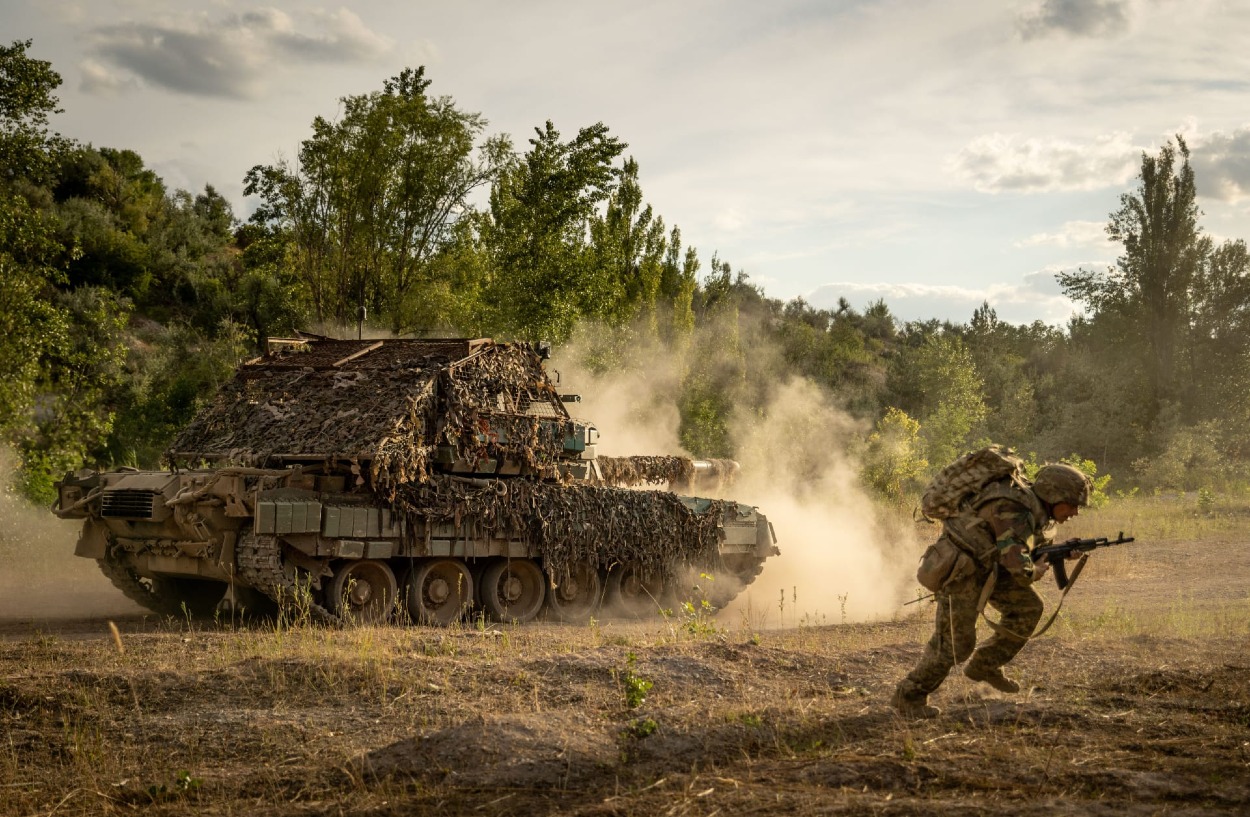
(1137, 702)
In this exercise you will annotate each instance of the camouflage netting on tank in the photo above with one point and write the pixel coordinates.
(346, 415)
(567, 524)
(390, 403)
(678, 472)
(493, 407)
(628, 472)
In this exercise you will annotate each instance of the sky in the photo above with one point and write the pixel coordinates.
(932, 153)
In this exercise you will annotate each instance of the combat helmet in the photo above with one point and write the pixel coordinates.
(1059, 482)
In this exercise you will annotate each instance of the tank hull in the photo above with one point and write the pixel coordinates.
(451, 547)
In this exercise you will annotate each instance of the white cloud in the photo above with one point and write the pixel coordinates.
(729, 220)
(235, 57)
(998, 162)
(1221, 163)
(1070, 234)
(1077, 18)
(101, 80)
(1036, 297)
(342, 37)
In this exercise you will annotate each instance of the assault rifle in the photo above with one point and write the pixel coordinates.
(1058, 552)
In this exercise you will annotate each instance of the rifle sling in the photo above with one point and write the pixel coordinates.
(1076, 572)
(986, 590)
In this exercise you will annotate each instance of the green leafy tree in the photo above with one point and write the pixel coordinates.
(937, 382)
(1148, 291)
(1089, 398)
(1220, 349)
(374, 197)
(31, 253)
(110, 207)
(28, 150)
(84, 368)
(705, 410)
(628, 245)
(269, 296)
(1193, 457)
(679, 278)
(1005, 357)
(542, 278)
(166, 385)
(832, 349)
(27, 313)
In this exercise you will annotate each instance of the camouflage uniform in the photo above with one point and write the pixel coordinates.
(1002, 527)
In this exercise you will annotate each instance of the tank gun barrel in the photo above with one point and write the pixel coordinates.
(677, 472)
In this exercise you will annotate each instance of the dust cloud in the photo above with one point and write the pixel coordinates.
(40, 577)
(635, 412)
(842, 558)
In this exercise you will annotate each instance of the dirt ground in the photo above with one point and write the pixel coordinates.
(1137, 702)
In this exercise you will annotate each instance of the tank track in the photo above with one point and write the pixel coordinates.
(259, 563)
(742, 581)
(146, 594)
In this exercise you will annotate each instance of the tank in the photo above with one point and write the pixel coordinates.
(417, 481)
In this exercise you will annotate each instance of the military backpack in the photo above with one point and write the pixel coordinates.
(955, 486)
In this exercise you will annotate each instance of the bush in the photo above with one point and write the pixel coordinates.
(1193, 458)
(893, 458)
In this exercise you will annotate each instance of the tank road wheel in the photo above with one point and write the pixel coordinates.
(513, 590)
(577, 594)
(440, 591)
(363, 591)
(634, 590)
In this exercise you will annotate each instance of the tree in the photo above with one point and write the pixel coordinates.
(679, 278)
(628, 245)
(1000, 352)
(1149, 288)
(83, 367)
(375, 196)
(27, 99)
(1221, 323)
(30, 252)
(27, 314)
(535, 233)
(936, 381)
(177, 375)
(108, 205)
(893, 460)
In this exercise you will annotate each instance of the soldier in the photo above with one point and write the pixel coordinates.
(998, 530)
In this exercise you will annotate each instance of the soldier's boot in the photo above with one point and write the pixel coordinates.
(992, 676)
(910, 705)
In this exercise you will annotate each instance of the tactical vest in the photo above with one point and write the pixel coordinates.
(974, 535)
